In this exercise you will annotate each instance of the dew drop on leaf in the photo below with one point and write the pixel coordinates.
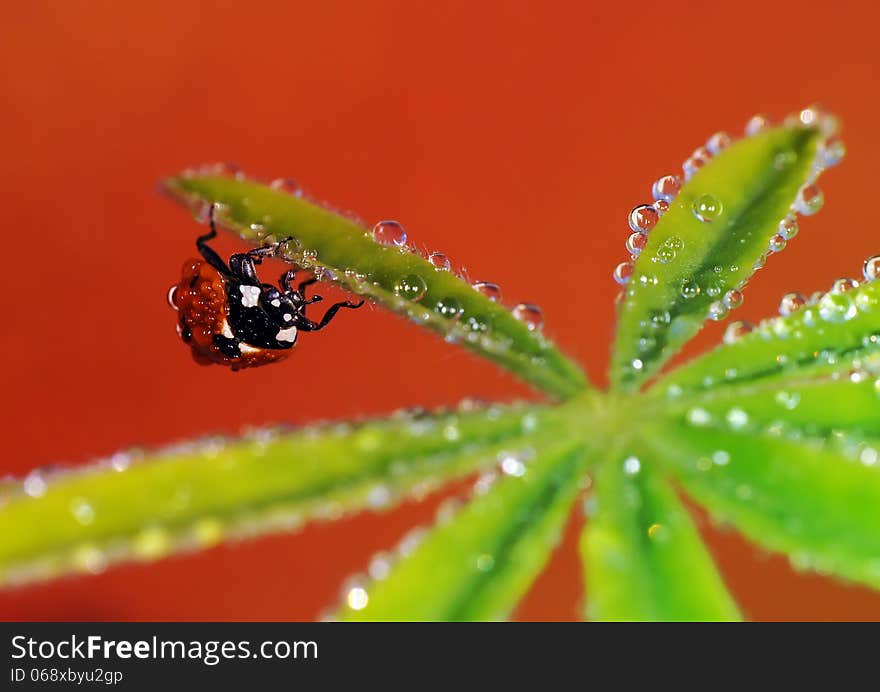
(636, 243)
(844, 285)
(623, 272)
(756, 124)
(440, 261)
(690, 289)
(832, 152)
(707, 208)
(718, 142)
(788, 227)
(736, 330)
(733, 298)
(643, 218)
(411, 287)
(809, 200)
(777, 243)
(871, 268)
(791, 302)
(836, 307)
(389, 233)
(450, 308)
(287, 185)
(717, 311)
(530, 315)
(491, 290)
(666, 188)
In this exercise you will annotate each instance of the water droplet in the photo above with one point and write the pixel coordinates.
(530, 315)
(82, 511)
(172, 294)
(658, 319)
(411, 287)
(35, 484)
(733, 298)
(809, 200)
(736, 330)
(788, 400)
(380, 566)
(844, 285)
(490, 290)
(512, 465)
(636, 243)
(477, 324)
(631, 466)
(665, 254)
(871, 268)
(666, 188)
(832, 152)
(788, 227)
(869, 456)
(692, 165)
(623, 272)
(777, 243)
(357, 598)
(485, 562)
(643, 218)
(810, 116)
(287, 185)
(791, 302)
(662, 206)
(867, 301)
(450, 308)
(718, 142)
(698, 416)
(690, 289)
(440, 261)
(717, 311)
(637, 364)
(757, 123)
(389, 233)
(784, 159)
(836, 307)
(646, 344)
(707, 208)
(737, 419)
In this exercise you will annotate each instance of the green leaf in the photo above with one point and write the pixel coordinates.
(814, 500)
(838, 332)
(688, 266)
(340, 250)
(479, 563)
(194, 496)
(643, 557)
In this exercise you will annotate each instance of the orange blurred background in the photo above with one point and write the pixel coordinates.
(514, 136)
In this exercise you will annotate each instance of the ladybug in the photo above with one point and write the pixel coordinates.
(228, 317)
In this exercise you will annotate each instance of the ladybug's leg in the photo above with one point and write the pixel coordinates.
(306, 325)
(207, 252)
(243, 264)
(303, 284)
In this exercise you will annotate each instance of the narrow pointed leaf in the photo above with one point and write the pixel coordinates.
(194, 496)
(689, 264)
(814, 500)
(834, 334)
(843, 408)
(341, 250)
(643, 557)
(478, 564)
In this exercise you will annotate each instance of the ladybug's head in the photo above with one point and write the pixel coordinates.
(282, 308)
